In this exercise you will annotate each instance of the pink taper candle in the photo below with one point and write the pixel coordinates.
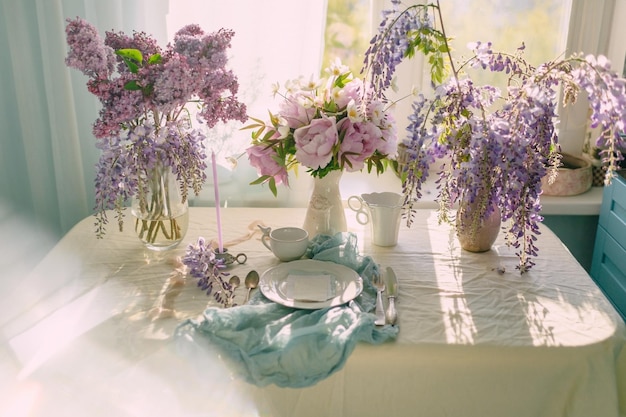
(217, 203)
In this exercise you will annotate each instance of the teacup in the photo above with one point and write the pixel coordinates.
(286, 243)
(383, 211)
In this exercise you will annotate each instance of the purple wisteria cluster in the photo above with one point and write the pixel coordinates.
(208, 269)
(146, 121)
(409, 30)
(494, 146)
(325, 125)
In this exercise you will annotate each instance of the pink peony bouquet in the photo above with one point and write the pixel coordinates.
(325, 125)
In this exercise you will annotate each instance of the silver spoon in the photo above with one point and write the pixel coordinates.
(234, 282)
(251, 281)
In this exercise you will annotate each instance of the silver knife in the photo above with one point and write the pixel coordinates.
(392, 293)
(379, 284)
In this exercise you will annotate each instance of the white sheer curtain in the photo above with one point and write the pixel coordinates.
(47, 151)
(589, 33)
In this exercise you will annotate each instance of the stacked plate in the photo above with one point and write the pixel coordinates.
(310, 284)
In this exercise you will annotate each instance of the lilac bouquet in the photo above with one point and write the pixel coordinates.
(494, 146)
(149, 96)
(325, 125)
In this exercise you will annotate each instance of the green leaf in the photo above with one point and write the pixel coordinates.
(132, 54)
(272, 184)
(268, 135)
(260, 180)
(251, 126)
(132, 85)
(342, 80)
(132, 67)
(257, 133)
(132, 58)
(155, 59)
(259, 123)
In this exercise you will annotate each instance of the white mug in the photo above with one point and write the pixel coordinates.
(286, 243)
(383, 211)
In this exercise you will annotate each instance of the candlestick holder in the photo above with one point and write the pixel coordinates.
(229, 258)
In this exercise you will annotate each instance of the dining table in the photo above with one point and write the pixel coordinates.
(94, 329)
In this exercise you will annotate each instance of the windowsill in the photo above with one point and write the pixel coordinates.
(237, 192)
(585, 204)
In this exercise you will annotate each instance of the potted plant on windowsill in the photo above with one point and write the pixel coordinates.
(494, 146)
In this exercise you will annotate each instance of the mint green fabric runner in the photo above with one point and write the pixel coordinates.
(267, 343)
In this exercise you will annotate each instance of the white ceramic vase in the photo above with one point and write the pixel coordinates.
(325, 213)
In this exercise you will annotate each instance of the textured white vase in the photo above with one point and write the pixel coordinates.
(325, 213)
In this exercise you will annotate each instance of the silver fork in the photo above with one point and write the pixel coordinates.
(379, 284)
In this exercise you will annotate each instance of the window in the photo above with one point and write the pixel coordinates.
(275, 41)
(540, 24)
(347, 33)
(278, 40)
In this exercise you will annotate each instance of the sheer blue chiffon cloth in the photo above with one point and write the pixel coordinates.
(267, 343)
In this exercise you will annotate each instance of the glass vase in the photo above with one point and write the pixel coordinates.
(325, 212)
(477, 233)
(161, 216)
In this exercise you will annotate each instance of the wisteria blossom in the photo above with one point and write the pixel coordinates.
(146, 122)
(324, 124)
(208, 269)
(495, 146)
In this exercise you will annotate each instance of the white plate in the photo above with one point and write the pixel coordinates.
(346, 284)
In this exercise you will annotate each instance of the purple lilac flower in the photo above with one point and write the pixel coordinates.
(214, 84)
(120, 106)
(143, 123)
(173, 84)
(87, 52)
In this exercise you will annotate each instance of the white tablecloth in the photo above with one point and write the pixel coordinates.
(89, 332)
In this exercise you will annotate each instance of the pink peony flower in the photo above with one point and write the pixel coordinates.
(262, 158)
(326, 125)
(360, 141)
(297, 110)
(315, 142)
(352, 91)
